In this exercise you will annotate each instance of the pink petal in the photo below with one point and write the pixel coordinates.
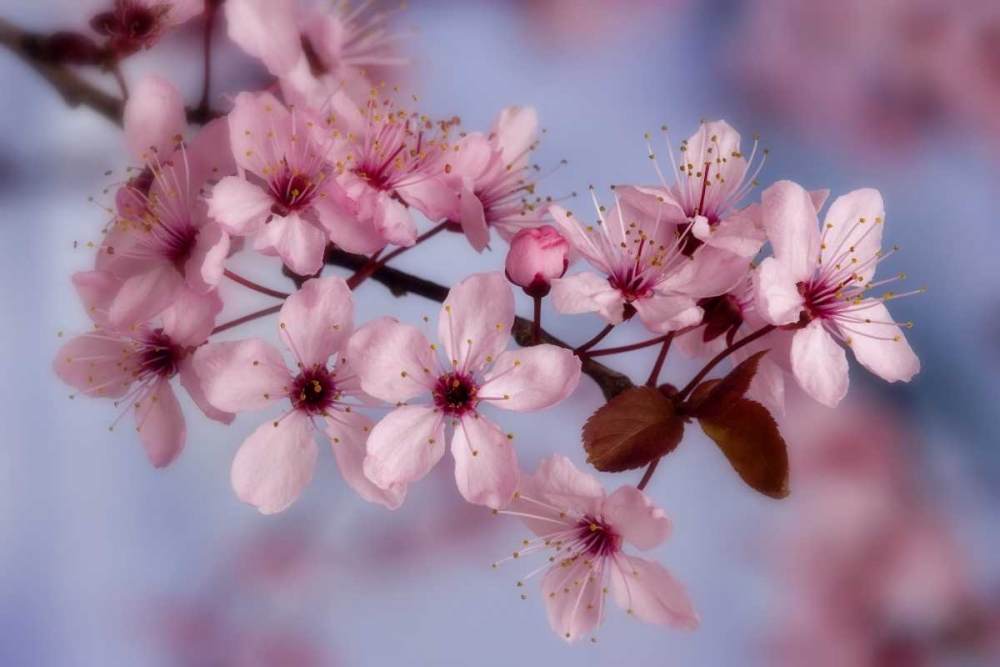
(94, 365)
(242, 376)
(792, 227)
(191, 318)
(587, 293)
(473, 220)
(846, 238)
(146, 295)
(239, 206)
(573, 602)
(348, 433)
(534, 378)
(879, 344)
(819, 364)
(160, 424)
(485, 463)
(778, 298)
(97, 290)
(300, 244)
(275, 464)
(266, 30)
(193, 385)
(433, 197)
(631, 513)
(393, 221)
(768, 386)
(154, 115)
(390, 358)
(717, 143)
(515, 129)
(345, 228)
(472, 160)
(316, 321)
(404, 446)
(210, 155)
(557, 477)
(663, 314)
(475, 320)
(181, 11)
(259, 131)
(205, 266)
(651, 593)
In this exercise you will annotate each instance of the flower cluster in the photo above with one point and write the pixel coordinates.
(322, 167)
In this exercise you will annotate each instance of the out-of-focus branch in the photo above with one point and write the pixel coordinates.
(400, 283)
(73, 88)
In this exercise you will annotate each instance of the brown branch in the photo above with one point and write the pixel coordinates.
(74, 89)
(400, 283)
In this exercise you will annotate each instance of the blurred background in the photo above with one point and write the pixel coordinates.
(883, 555)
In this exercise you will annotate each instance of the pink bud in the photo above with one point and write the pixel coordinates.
(537, 256)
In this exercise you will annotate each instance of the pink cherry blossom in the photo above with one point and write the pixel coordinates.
(644, 267)
(274, 465)
(134, 365)
(283, 198)
(495, 178)
(161, 239)
(315, 50)
(396, 363)
(586, 530)
(820, 284)
(537, 256)
(134, 24)
(387, 159)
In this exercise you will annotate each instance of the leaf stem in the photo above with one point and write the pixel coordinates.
(746, 340)
(246, 318)
(654, 375)
(628, 348)
(595, 340)
(648, 475)
(206, 88)
(375, 264)
(536, 335)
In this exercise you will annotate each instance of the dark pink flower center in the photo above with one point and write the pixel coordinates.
(156, 356)
(823, 299)
(313, 391)
(292, 191)
(723, 316)
(455, 394)
(130, 25)
(597, 538)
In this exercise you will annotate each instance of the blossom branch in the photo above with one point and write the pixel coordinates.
(74, 89)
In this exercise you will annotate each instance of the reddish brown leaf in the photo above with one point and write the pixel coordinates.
(748, 436)
(631, 430)
(718, 399)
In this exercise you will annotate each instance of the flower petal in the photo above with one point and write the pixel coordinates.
(433, 197)
(531, 379)
(572, 597)
(393, 221)
(348, 433)
(154, 115)
(651, 593)
(515, 129)
(404, 446)
(193, 385)
(485, 463)
(663, 314)
(190, 319)
(473, 220)
(339, 217)
(275, 464)
(242, 376)
(94, 365)
(393, 360)
(143, 297)
(633, 516)
(205, 266)
(475, 320)
(778, 298)
(239, 206)
(160, 424)
(588, 293)
(792, 227)
(316, 321)
(266, 30)
(819, 364)
(853, 231)
(879, 344)
(300, 244)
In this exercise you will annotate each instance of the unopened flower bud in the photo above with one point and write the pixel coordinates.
(537, 256)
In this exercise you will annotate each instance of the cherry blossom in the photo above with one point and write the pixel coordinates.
(821, 285)
(495, 178)
(586, 531)
(396, 363)
(274, 465)
(537, 256)
(161, 240)
(134, 365)
(135, 24)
